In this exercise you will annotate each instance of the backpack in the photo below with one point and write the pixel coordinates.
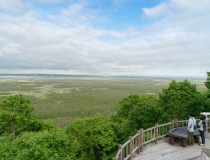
(204, 125)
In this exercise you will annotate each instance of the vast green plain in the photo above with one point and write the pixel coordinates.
(61, 100)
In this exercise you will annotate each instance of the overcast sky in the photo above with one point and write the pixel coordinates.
(105, 37)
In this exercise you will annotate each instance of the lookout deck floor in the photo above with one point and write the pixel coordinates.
(164, 151)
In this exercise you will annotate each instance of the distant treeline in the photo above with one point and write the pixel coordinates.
(96, 76)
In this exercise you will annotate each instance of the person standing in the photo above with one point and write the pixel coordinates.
(191, 129)
(202, 128)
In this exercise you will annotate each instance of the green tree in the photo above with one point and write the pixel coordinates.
(181, 98)
(126, 106)
(137, 112)
(16, 116)
(96, 137)
(207, 83)
(121, 118)
(206, 95)
(44, 145)
(147, 113)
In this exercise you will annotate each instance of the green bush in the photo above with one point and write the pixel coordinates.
(96, 137)
(16, 117)
(137, 112)
(181, 98)
(46, 145)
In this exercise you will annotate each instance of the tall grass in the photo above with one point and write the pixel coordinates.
(64, 99)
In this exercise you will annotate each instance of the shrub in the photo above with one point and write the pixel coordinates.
(96, 137)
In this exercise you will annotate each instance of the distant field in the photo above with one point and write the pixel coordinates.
(65, 99)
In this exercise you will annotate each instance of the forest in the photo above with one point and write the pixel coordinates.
(23, 135)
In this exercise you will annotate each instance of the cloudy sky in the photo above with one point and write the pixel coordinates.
(105, 37)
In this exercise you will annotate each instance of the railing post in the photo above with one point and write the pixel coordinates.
(120, 147)
(172, 127)
(175, 123)
(120, 155)
(130, 148)
(142, 139)
(139, 142)
(156, 133)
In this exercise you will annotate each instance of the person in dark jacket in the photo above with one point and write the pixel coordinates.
(202, 128)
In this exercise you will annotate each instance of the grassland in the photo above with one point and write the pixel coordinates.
(65, 99)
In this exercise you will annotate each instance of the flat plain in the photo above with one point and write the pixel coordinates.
(62, 100)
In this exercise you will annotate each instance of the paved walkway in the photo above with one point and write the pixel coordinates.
(164, 151)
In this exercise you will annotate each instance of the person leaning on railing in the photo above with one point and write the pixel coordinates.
(191, 129)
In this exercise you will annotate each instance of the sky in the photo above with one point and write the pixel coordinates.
(105, 37)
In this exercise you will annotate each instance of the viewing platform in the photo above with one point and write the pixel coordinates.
(153, 144)
(164, 151)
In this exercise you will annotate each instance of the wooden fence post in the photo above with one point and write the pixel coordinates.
(120, 155)
(175, 123)
(139, 141)
(156, 133)
(120, 147)
(172, 127)
(142, 139)
(130, 147)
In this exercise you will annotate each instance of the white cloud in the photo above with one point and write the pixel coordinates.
(178, 39)
(192, 5)
(184, 7)
(156, 11)
(51, 1)
(13, 6)
(73, 9)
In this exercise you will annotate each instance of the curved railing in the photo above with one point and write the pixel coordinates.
(135, 144)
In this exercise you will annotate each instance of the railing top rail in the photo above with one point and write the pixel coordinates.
(149, 129)
(136, 135)
(118, 153)
(169, 123)
(126, 143)
(182, 120)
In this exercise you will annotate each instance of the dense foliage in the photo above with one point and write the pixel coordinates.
(207, 83)
(137, 112)
(96, 138)
(181, 98)
(16, 117)
(36, 146)
(146, 113)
